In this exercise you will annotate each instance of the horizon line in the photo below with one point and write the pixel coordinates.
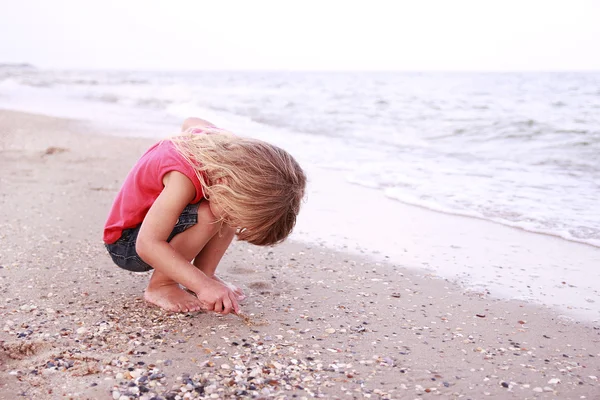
(330, 70)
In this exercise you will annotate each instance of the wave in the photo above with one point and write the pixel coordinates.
(580, 234)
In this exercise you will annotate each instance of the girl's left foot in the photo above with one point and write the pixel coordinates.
(168, 295)
(172, 298)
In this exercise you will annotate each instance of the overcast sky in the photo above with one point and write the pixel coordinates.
(292, 35)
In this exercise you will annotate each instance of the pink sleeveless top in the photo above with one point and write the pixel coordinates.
(143, 185)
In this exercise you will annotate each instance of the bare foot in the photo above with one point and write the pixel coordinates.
(172, 298)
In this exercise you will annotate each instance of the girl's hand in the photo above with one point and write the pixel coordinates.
(217, 297)
(239, 293)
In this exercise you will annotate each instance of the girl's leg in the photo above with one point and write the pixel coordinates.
(209, 257)
(165, 292)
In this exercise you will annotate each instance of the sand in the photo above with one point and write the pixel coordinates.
(320, 323)
(504, 261)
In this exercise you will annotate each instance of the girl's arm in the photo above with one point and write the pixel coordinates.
(153, 248)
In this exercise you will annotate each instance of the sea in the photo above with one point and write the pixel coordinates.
(519, 149)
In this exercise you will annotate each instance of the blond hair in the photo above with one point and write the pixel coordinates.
(258, 186)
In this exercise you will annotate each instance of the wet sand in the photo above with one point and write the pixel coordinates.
(321, 323)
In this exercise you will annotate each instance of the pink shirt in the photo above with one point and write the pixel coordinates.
(143, 185)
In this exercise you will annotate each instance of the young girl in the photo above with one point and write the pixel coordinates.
(184, 201)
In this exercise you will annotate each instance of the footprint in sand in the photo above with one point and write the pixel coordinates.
(261, 287)
(241, 270)
(20, 351)
(54, 150)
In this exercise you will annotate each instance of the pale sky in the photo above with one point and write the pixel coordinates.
(299, 35)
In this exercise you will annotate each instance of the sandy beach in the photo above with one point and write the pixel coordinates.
(320, 323)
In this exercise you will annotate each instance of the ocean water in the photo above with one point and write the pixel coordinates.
(520, 149)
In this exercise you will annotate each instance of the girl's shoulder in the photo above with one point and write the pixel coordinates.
(159, 152)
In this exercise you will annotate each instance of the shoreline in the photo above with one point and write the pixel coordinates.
(515, 258)
(506, 261)
(326, 323)
(153, 126)
(519, 228)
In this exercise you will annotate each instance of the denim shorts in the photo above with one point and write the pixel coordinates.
(123, 251)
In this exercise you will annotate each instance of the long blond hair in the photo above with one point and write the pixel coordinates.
(258, 186)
